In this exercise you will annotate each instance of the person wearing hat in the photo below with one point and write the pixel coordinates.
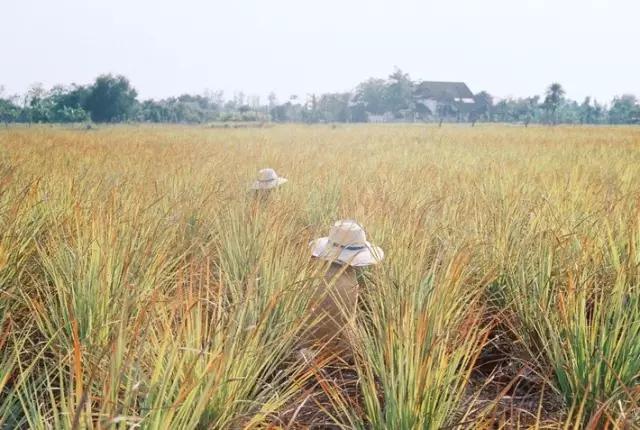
(267, 181)
(346, 250)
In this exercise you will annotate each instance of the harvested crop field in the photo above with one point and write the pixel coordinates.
(141, 285)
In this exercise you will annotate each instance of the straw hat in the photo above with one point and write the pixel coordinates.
(347, 244)
(267, 179)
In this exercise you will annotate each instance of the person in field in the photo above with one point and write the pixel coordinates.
(342, 255)
(267, 181)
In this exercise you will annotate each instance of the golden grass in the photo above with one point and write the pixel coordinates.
(141, 286)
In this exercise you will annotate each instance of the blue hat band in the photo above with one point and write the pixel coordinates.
(349, 247)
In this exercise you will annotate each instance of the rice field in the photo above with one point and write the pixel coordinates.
(142, 286)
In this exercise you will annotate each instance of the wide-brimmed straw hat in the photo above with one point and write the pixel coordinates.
(267, 179)
(347, 244)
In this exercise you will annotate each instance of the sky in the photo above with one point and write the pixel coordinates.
(167, 48)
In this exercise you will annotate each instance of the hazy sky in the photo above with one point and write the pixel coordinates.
(507, 47)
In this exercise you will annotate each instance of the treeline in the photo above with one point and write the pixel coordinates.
(112, 99)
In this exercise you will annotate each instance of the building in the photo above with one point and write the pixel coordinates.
(386, 117)
(443, 100)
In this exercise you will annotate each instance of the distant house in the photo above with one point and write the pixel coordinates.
(444, 100)
(386, 117)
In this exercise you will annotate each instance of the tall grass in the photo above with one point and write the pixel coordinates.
(416, 342)
(583, 322)
(141, 286)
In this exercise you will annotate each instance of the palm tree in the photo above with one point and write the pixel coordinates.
(552, 100)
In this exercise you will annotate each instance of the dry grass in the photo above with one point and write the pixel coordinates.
(141, 286)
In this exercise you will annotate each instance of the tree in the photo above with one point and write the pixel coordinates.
(357, 112)
(111, 98)
(590, 113)
(238, 98)
(69, 114)
(530, 109)
(599, 112)
(153, 111)
(278, 113)
(67, 103)
(334, 107)
(483, 105)
(273, 102)
(523, 110)
(183, 109)
(625, 110)
(310, 113)
(288, 111)
(372, 93)
(9, 110)
(216, 98)
(553, 98)
(398, 93)
(37, 104)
